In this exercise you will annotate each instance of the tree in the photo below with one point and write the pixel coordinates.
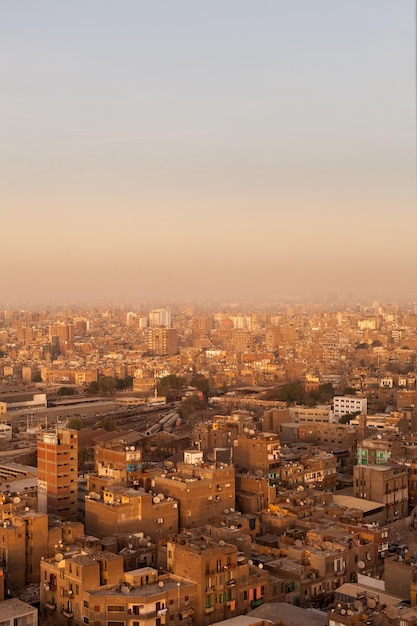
(124, 383)
(75, 423)
(168, 383)
(106, 385)
(345, 419)
(66, 391)
(107, 423)
(191, 405)
(201, 383)
(93, 389)
(291, 392)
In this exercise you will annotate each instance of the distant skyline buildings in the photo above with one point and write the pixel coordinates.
(207, 151)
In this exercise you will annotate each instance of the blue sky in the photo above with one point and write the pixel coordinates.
(207, 149)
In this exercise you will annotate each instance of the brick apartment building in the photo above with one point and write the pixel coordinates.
(58, 472)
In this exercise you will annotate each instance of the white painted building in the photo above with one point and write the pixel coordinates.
(345, 405)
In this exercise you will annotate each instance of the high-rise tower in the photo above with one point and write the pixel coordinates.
(58, 472)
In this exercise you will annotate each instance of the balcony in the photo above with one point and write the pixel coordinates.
(69, 593)
(209, 609)
(67, 613)
(257, 602)
(231, 582)
(50, 606)
(161, 612)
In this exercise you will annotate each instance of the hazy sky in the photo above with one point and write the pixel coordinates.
(206, 149)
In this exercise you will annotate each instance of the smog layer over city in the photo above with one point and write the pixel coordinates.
(208, 313)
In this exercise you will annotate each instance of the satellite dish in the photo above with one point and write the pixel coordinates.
(148, 544)
(16, 500)
(343, 611)
(58, 557)
(246, 429)
(125, 590)
(361, 564)
(298, 543)
(300, 488)
(349, 612)
(27, 509)
(250, 562)
(156, 500)
(358, 605)
(232, 510)
(161, 496)
(259, 473)
(226, 511)
(130, 546)
(261, 565)
(391, 611)
(371, 603)
(161, 583)
(132, 448)
(232, 527)
(221, 542)
(251, 432)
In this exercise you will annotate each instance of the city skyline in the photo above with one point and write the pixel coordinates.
(207, 151)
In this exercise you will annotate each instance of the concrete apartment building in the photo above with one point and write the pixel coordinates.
(14, 612)
(258, 452)
(119, 459)
(345, 405)
(58, 472)
(202, 490)
(90, 587)
(223, 430)
(320, 471)
(387, 484)
(333, 436)
(311, 415)
(226, 585)
(162, 341)
(123, 509)
(66, 577)
(378, 450)
(253, 493)
(26, 537)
